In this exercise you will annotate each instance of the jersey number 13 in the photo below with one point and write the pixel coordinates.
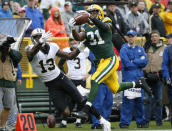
(50, 63)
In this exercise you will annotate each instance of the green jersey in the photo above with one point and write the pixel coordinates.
(99, 41)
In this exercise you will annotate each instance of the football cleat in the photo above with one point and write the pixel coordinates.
(106, 124)
(141, 83)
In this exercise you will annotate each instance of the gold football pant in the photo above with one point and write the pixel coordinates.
(106, 72)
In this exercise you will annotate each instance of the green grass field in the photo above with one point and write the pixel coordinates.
(86, 127)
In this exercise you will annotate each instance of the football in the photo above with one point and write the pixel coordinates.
(81, 18)
(51, 121)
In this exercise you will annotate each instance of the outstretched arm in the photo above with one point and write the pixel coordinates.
(68, 56)
(100, 24)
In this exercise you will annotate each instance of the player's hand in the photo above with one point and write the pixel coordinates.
(81, 47)
(45, 37)
(72, 22)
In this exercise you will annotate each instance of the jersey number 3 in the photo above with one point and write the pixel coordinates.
(49, 62)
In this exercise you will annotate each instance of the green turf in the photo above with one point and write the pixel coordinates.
(86, 127)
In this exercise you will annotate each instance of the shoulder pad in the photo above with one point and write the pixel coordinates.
(105, 19)
(83, 29)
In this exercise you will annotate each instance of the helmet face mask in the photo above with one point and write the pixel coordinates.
(96, 8)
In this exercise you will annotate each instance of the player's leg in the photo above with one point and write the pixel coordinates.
(67, 110)
(98, 104)
(111, 80)
(63, 83)
(103, 71)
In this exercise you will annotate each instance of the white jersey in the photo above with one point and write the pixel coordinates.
(77, 67)
(44, 64)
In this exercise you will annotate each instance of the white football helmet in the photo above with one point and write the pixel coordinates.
(35, 32)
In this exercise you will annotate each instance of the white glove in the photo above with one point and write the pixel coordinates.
(72, 22)
(81, 47)
(45, 37)
(106, 124)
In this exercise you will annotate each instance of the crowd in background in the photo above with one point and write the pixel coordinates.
(142, 16)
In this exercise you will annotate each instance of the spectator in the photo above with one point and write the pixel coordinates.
(77, 7)
(166, 71)
(142, 10)
(46, 5)
(136, 21)
(35, 15)
(124, 9)
(22, 12)
(9, 60)
(148, 4)
(133, 59)
(15, 8)
(21, 2)
(156, 23)
(167, 17)
(169, 39)
(55, 24)
(5, 11)
(59, 4)
(164, 2)
(162, 7)
(119, 23)
(104, 99)
(67, 15)
(77, 72)
(152, 73)
(14, 110)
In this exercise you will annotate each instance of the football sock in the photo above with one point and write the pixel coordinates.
(93, 91)
(94, 112)
(64, 120)
(125, 85)
(86, 109)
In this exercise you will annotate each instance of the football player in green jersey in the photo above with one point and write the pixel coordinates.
(97, 36)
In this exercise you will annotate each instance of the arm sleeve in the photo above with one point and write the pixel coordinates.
(164, 65)
(100, 24)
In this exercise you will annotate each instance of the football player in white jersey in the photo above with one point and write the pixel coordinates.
(77, 67)
(77, 72)
(41, 55)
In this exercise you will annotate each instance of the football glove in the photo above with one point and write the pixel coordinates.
(81, 47)
(72, 23)
(45, 37)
